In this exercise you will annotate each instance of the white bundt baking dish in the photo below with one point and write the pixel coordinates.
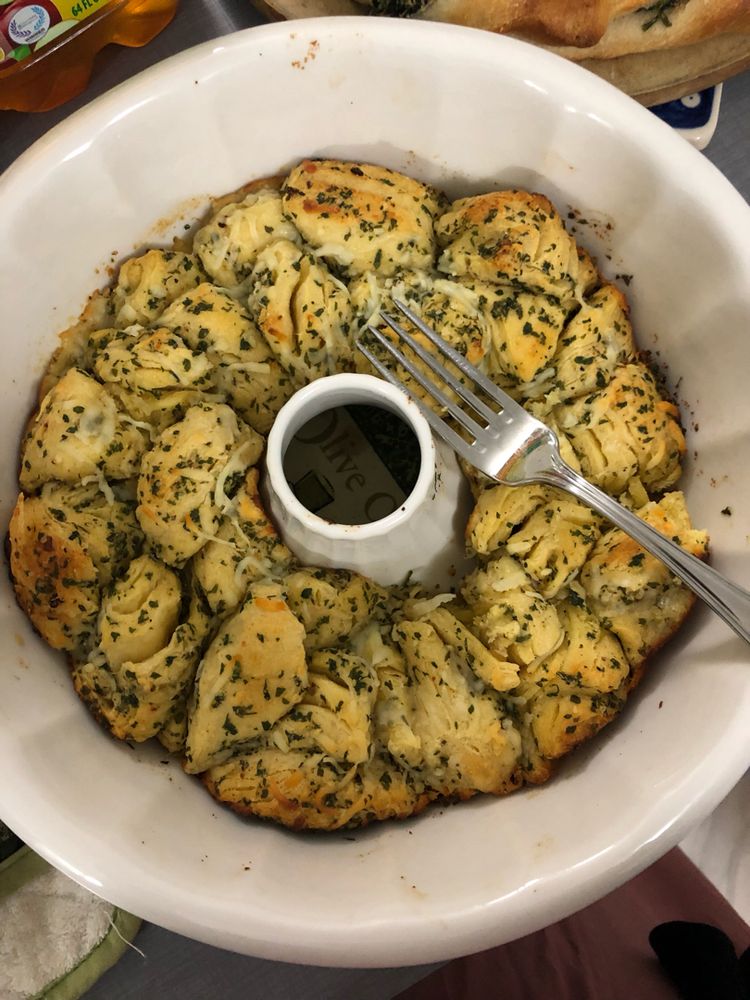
(468, 112)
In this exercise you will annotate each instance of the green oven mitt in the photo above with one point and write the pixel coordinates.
(56, 938)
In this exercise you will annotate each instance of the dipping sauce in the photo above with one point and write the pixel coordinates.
(353, 464)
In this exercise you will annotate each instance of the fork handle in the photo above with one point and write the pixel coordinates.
(727, 599)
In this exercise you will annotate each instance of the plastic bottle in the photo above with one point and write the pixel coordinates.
(47, 47)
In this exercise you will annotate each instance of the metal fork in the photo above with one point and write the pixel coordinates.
(513, 447)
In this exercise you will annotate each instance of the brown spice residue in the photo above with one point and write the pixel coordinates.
(186, 209)
(599, 223)
(312, 51)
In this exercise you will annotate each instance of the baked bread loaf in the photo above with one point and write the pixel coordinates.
(314, 697)
(585, 29)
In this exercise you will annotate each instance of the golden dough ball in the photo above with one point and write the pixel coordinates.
(631, 591)
(181, 477)
(513, 239)
(147, 284)
(246, 547)
(596, 342)
(253, 673)
(229, 244)
(245, 368)
(313, 791)
(363, 217)
(465, 746)
(303, 312)
(137, 699)
(65, 545)
(334, 715)
(152, 361)
(625, 430)
(77, 433)
(332, 603)
(509, 614)
(140, 612)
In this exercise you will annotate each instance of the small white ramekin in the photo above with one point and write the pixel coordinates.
(417, 538)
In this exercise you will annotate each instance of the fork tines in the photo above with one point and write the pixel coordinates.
(475, 430)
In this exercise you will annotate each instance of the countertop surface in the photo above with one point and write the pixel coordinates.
(172, 966)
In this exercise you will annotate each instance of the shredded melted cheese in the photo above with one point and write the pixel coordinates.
(140, 424)
(334, 252)
(423, 606)
(236, 462)
(102, 483)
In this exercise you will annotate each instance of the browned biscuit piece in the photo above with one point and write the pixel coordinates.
(303, 312)
(625, 430)
(136, 697)
(363, 217)
(55, 578)
(253, 672)
(79, 432)
(229, 244)
(64, 547)
(313, 791)
(147, 284)
(245, 367)
(632, 592)
(178, 484)
(514, 239)
(246, 547)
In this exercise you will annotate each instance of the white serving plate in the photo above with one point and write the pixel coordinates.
(469, 111)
